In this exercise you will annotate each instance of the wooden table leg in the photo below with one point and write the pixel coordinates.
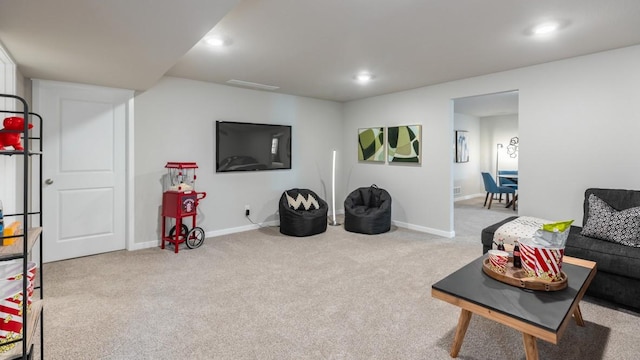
(577, 315)
(463, 324)
(530, 346)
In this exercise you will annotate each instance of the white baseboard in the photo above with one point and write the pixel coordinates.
(144, 245)
(221, 232)
(208, 234)
(467, 197)
(424, 229)
(238, 229)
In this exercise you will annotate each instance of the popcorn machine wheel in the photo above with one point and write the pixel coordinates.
(181, 201)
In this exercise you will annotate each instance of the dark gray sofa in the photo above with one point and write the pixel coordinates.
(618, 266)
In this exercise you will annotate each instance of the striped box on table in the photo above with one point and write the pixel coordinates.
(541, 262)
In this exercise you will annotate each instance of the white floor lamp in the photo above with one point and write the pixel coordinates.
(498, 147)
(333, 221)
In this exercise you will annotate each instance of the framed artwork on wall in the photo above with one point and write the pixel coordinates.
(462, 146)
(512, 148)
(371, 144)
(404, 144)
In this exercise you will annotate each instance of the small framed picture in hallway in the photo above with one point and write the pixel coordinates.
(462, 146)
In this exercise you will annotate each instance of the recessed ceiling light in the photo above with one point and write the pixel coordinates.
(546, 28)
(215, 40)
(364, 77)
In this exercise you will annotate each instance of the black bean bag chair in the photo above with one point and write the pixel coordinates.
(367, 210)
(302, 213)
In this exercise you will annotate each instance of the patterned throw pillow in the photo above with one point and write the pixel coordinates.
(607, 223)
(310, 203)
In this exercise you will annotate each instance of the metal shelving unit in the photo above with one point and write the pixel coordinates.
(32, 316)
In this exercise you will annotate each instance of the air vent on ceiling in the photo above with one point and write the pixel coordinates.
(252, 84)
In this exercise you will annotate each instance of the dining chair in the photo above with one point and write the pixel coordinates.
(506, 181)
(492, 188)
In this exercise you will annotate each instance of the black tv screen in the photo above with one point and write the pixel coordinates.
(251, 147)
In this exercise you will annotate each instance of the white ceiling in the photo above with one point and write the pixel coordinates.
(305, 47)
(118, 43)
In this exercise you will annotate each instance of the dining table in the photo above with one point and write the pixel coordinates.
(514, 178)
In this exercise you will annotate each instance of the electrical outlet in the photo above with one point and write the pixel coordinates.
(247, 210)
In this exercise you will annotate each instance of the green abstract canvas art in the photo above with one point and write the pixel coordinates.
(404, 144)
(371, 144)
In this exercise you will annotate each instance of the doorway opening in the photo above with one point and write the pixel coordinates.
(489, 125)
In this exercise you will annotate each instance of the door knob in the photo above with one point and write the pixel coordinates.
(48, 181)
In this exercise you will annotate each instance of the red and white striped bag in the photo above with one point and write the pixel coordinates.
(541, 262)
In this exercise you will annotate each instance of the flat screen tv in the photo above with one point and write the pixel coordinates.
(252, 147)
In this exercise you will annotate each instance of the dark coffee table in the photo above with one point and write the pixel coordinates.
(536, 314)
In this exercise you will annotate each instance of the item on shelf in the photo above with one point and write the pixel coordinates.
(1, 219)
(9, 231)
(12, 271)
(10, 313)
(19, 318)
(12, 300)
(10, 135)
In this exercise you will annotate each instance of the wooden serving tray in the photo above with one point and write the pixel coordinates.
(518, 277)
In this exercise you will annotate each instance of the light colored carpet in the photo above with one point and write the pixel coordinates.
(263, 295)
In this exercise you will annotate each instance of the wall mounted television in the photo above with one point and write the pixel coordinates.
(252, 147)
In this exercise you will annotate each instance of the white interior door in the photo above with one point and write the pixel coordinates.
(84, 168)
(8, 168)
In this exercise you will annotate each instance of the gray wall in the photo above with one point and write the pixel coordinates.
(572, 117)
(175, 121)
(577, 120)
(422, 195)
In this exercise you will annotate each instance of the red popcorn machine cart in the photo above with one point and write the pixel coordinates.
(180, 201)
